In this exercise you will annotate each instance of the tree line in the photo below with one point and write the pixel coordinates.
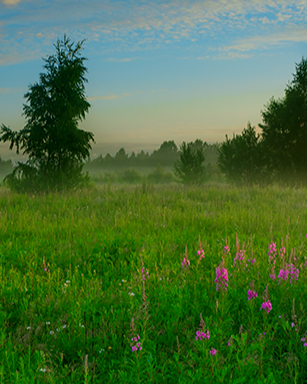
(58, 150)
(166, 155)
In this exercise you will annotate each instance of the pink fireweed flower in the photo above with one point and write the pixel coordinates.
(221, 278)
(213, 352)
(201, 254)
(226, 249)
(294, 273)
(283, 274)
(144, 275)
(202, 335)
(138, 344)
(272, 250)
(251, 294)
(267, 306)
(282, 252)
(185, 263)
(240, 256)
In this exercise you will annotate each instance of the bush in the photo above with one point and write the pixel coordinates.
(160, 176)
(131, 176)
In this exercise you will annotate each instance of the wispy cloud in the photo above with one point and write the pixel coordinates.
(113, 26)
(120, 60)
(6, 90)
(109, 97)
(10, 2)
(267, 41)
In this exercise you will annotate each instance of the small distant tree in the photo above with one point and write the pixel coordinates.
(55, 146)
(190, 167)
(121, 158)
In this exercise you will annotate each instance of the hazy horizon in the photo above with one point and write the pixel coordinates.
(181, 70)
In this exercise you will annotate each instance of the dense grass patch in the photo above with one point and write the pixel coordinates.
(73, 276)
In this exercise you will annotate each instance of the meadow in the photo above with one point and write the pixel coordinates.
(154, 284)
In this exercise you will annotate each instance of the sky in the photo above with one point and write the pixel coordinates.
(157, 70)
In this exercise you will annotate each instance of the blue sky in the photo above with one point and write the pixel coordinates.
(158, 70)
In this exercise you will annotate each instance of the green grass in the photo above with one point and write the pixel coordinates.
(72, 322)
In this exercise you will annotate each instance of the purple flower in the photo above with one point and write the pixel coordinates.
(283, 274)
(185, 263)
(267, 306)
(221, 278)
(213, 352)
(202, 335)
(138, 345)
(272, 249)
(251, 294)
(240, 256)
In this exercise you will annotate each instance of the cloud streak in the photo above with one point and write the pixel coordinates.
(10, 2)
(109, 97)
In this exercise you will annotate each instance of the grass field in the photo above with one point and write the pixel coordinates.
(78, 306)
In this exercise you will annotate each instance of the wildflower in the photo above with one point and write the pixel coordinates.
(282, 252)
(221, 277)
(283, 274)
(138, 344)
(272, 250)
(294, 273)
(213, 352)
(124, 281)
(131, 293)
(240, 256)
(51, 333)
(42, 370)
(185, 263)
(202, 335)
(303, 339)
(226, 249)
(251, 294)
(47, 322)
(267, 306)
(144, 275)
(45, 268)
(200, 252)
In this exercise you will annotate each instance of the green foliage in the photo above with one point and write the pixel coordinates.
(241, 158)
(279, 153)
(190, 168)
(285, 130)
(131, 176)
(167, 154)
(160, 176)
(56, 147)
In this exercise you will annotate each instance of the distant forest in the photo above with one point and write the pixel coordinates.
(165, 156)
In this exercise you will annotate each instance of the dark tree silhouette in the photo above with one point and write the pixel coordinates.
(285, 130)
(241, 158)
(190, 168)
(55, 146)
